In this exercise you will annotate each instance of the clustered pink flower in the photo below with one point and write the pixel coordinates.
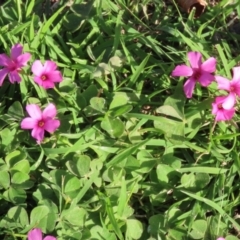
(46, 75)
(222, 114)
(12, 65)
(40, 121)
(198, 72)
(36, 234)
(232, 87)
(220, 238)
(223, 106)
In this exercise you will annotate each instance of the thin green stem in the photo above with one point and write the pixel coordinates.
(66, 99)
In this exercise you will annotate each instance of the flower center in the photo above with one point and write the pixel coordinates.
(220, 106)
(41, 123)
(12, 66)
(44, 77)
(196, 75)
(232, 89)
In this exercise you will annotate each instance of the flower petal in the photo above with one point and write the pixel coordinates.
(214, 108)
(3, 74)
(37, 68)
(229, 101)
(35, 234)
(195, 59)
(189, 87)
(28, 123)
(16, 51)
(34, 111)
(236, 73)
(182, 71)
(223, 83)
(38, 80)
(225, 115)
(38, 133)
(47, 84)
(14, 77)
(51, 125)
(49, 238)
(209, 65)
(50, 111)
(23, 59)
(206, 78)
(49, 66)
(235, 84)
(220, 99)
(5, 61)
(55, 76)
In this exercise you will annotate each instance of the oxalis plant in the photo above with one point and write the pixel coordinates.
(119, 120)
(46, 75)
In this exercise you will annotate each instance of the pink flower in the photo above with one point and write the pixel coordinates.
(46, 75)
(13, 65)
(36, 234)
(221, 113)
(39, 121)
(220, 238)
(233, 87)
(198, 72)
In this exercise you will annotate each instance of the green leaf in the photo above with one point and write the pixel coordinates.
(16, 196)
(111, 216)
(90, 92)
(199, 228)
(169, 111)
(201, 180)
(4, 179)
(16, 110)
(210, 170)
(47, 223)
(101, 70)
(80, 165)
(30, 8)
(177, 233)
(173, 130)
(75, 216)
(100, 233)
(115, 62)
(134, 229)
(22, 166)
(20, 179)
(119, 111)
(138, 71)
(163, 171)
(83, 164)
(114, 127)
(118, 100)
(231, 237)
(156, 223)
(72, 184)
(84, 189)
(7, 136)
(14, 157)
(98, 103)
(188, 180)
(18, 214)
(37, 214)
(125, 153)
(213, 205)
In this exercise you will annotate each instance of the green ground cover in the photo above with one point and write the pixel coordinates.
(133, 158)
